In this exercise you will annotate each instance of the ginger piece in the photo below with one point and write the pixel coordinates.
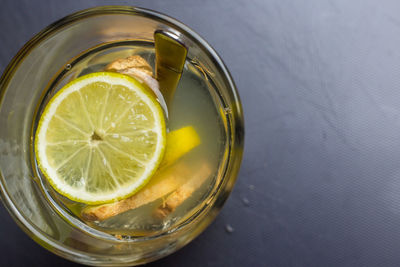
(135, 61)
(142, 76)
(163, 183)
(166, 180)
(138, 68)
(179, 143)
(183, 192)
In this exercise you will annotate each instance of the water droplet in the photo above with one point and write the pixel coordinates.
(68, 66)
(246, 202)
(252, 187)
(229, 228)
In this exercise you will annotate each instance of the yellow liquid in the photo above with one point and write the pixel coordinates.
(195, 104)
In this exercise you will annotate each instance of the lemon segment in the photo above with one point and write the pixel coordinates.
(179, 142)
(100, 138)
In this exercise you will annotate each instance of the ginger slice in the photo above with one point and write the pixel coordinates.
(163, 183)
(183, 192)
(142, 76)
(138, 68)
(130, 62)
(179, 143)
(166, 180)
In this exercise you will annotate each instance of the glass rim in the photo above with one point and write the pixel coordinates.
(236, 137)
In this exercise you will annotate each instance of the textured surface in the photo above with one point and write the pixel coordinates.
(320, 85)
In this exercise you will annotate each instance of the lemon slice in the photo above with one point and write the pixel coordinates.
(179, 142)
(100, 138)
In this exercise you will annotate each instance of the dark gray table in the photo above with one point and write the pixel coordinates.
(320, 85)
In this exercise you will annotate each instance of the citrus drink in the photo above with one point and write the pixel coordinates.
(179, 178)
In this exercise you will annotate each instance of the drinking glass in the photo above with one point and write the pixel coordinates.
(25, 83)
